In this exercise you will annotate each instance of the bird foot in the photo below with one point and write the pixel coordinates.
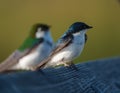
(71, 65)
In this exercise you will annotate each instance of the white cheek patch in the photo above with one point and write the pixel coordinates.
(39, 33)
(84, 31)
(80, 33)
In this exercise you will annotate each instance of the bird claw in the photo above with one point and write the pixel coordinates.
(72, 66)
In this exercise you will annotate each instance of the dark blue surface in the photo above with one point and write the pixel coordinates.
(101, 76)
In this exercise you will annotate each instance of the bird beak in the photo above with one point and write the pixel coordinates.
(89, 27)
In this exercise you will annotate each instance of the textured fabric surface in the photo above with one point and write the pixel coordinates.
(100, 76)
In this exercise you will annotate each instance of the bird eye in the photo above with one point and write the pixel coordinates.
(85, 27)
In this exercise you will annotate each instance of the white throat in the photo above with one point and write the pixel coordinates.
(81, 33)
(39, 33)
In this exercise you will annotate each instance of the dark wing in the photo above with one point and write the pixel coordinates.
(86, 37)
(63, 43)
(16, 55)
(12, 59)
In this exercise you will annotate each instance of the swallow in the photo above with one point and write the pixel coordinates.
(68, 47)
(36, 47)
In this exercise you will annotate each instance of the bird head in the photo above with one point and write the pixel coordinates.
(37, 33)
(78, 27)
(39, 30)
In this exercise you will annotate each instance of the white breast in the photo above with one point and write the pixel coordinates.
(34, 58)
(71, 52)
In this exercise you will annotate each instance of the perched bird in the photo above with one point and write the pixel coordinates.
(34, 49)
(68, 47)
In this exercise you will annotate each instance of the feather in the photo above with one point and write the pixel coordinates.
(16, 55)
(64, 42)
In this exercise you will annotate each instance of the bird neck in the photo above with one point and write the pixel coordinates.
(79, 34)
(48, 37)
(79, 37)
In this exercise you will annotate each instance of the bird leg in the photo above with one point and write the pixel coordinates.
(71, 65)
(66, 64)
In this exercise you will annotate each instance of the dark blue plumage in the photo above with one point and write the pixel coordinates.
(78, 26)
(74, 28)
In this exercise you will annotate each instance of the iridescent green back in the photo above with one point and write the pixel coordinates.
(30, 40)
(28, 43)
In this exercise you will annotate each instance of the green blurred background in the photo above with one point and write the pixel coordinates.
(17, 16)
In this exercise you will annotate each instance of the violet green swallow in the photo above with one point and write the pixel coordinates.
(68, 47)
(34, 49)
